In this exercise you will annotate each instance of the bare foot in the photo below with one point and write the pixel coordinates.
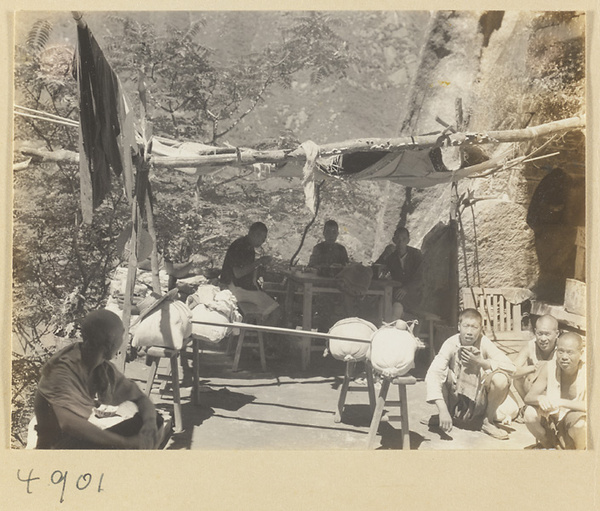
(494, 431)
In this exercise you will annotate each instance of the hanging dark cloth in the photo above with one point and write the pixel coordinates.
(100, 124)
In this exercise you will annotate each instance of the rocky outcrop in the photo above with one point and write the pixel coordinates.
(524, 68)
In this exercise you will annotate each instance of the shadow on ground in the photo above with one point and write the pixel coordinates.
(286, 408)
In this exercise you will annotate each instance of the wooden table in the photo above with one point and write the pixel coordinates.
(311, 284)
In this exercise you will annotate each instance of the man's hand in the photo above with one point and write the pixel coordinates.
(266, 259)
(445, 420)
(547, 405)
(147, 438)
(471, 359)
(148, 435)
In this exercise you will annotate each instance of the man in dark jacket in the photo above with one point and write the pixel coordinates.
(405, 266)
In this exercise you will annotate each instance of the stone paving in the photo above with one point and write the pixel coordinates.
(286, 408)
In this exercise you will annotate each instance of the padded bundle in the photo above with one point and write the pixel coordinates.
(393, 349)
(210, 304)
(167, 326)
(350, 351)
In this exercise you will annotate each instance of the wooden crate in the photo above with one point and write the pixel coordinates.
(575, 296)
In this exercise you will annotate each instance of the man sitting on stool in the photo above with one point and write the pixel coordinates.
(240, 274)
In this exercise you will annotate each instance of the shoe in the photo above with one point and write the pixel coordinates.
(494, 431)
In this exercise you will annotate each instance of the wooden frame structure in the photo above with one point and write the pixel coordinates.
(501, 318)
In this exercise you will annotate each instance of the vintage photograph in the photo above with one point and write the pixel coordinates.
(299, 230)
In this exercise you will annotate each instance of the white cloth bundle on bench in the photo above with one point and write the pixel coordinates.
(393, 349)
(350, 351)
(168, 326)
(210, 304)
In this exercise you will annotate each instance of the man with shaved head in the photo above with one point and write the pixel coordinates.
(556, 415)
(77, 380)
(535, 354)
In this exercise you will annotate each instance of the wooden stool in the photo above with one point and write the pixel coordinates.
(346, 387)
(196, 364)
(402, 382)
(250, 314)
(153, 355)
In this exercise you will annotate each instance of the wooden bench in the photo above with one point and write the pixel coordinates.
(402, 382)
(153, 356)
(250, 314)
(346, 387)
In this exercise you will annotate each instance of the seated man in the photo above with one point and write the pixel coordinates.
(469, 379)
(535, 354)
(240, 272)
(405, 265)
(328, 257)
(556, 415)
(80, 378)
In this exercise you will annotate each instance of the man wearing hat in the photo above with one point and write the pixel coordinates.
(75, 384)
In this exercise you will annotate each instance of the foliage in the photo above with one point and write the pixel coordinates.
(197, 95)
(61, 267)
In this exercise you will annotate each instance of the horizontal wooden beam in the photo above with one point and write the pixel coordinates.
(393, 145)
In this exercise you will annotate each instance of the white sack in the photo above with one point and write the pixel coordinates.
(393, 350)
(167, 327)
(210, 304)
(350, 351)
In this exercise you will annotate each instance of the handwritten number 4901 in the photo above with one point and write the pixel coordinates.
(58, 477)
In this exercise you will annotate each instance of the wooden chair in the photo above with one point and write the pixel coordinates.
(501, 317)
(426, 328)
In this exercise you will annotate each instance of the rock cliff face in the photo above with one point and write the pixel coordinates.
(516, 70)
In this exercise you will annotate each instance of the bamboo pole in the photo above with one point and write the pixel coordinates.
(145, 165)
(281, 330)
(417, 142)
(130, 284)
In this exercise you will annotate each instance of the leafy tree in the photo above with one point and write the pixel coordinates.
(198, 96)
(62, 267)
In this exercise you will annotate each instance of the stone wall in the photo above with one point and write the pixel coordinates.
(527, 74)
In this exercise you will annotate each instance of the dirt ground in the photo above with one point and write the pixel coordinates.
(286, 408)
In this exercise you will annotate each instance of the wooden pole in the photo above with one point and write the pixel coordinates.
(392, 145)
(154, 255)
(454, 276)
(281, 330)
(147, 137)
(129, 286)
(248, 156)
